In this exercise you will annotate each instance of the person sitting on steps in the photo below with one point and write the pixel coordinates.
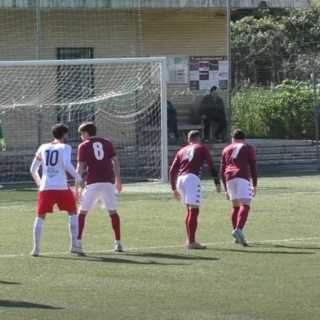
(212, 110)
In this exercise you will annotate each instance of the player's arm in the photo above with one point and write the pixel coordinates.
(116, 168)
(213, 171)
(253, 169)
(69, 167)
(223, 170)
(173, 172)
(80, 163)
(80, 170)
(36, 163)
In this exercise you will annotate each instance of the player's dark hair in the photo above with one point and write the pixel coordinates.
(194, 135)
(88, 127)
(59, 130)
(214, 88)
(238, 134)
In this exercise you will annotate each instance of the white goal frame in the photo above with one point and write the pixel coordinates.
(163, 86)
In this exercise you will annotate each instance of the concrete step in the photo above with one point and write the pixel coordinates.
(278, 143)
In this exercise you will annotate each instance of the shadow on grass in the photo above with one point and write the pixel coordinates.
(23, 304)
(248, 250)
(111, 260)
(292, 247)
(171, 256)
(8, 282)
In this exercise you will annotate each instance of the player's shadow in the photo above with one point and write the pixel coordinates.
(265, 251)
(24, 304)
(290, 247)
(112, 259)
(274, 188)
(171, 256)
(8, 282)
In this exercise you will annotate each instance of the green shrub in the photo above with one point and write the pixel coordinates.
(286, 111)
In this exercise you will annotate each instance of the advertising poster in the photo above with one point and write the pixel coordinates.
(208, 71)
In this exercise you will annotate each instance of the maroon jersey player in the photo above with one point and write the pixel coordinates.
(99, 156)
(188, 163)
(236, 160)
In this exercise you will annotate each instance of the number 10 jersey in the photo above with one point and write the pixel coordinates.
(97, 154)
(53, 157)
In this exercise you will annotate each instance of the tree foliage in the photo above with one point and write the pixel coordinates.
(272, 45)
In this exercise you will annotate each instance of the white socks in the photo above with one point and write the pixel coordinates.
(73, 228)
(37, 229)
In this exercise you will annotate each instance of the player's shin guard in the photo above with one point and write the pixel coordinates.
(115, 222)
(37, 229)
(234, 216)
(242, 216)
(193, 224)
(73, 228)
(81, 223)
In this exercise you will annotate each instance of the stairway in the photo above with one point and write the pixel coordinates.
(273, 156)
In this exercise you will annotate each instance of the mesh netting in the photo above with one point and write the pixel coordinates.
(123, 99)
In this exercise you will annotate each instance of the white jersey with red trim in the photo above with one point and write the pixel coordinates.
(54, 156)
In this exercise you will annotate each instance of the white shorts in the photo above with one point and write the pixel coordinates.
(239, 188)
(189, 188)
(105, 192)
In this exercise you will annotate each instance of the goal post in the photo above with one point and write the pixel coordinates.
(125, 97)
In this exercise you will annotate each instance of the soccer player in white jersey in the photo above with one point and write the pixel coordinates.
(55, 158)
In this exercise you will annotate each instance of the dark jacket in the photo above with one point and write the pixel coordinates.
(212, 106)
(171, 111)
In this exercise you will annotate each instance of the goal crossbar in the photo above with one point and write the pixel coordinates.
(34, 63)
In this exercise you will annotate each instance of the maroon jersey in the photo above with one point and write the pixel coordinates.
(190, 159)
(235, 162)
(97, 154)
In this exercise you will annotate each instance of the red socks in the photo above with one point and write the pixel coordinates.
(242, 217)
(192, 224)
(81, 223)
(234, 216)
(186, 219)
(115, 222)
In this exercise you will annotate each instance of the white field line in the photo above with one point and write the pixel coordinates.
(296, 240)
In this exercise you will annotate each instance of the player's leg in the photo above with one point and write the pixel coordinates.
(44, 206)
(182, 192)
(66, 202)
(232, 192)
(37, 230)
(115, 223)
(243, 213)
(186, 222)
(192, 227)
(193, 201)
(244, 196)
(73, 229)
(234, 218)
(81, 223)
(109, 201)
(88, 201)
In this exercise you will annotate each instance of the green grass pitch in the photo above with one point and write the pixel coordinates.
(277, 277)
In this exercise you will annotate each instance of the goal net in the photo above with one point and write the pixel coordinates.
(125, 97)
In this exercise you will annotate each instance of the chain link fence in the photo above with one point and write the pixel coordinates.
(274, 69)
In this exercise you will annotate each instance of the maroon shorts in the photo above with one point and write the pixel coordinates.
(64, 199)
